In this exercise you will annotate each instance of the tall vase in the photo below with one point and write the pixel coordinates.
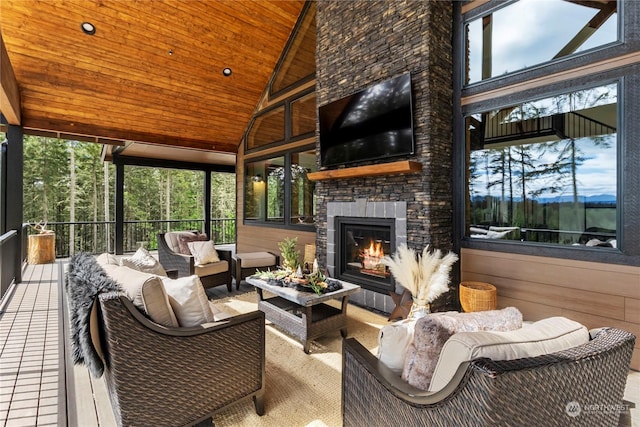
(418, 310)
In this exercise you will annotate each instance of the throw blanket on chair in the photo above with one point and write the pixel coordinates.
(84, 281)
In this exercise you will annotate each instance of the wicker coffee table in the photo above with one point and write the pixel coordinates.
(304, 314)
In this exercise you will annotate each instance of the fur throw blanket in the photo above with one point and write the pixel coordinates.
(85, 279)
(432, 331)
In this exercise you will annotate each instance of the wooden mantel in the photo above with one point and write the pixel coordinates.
(393, 168)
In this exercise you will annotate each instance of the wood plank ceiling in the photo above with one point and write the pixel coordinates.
(152, 72)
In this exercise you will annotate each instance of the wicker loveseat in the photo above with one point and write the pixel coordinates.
(583, 385)
(210, 275)
(178, 376)
(162, 365)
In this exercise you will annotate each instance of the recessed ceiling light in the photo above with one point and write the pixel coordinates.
(88, 28)
(226, 72)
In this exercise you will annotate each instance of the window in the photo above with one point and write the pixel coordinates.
(267, 128)
(264, 190)
(303, 115)
(278, 191)
(524, 34)
(302, 189)
(545, 170)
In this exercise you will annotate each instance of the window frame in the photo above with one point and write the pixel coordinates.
(628, 182)
(287, 223)
(597, 53)
(287, 123)
(628, 250)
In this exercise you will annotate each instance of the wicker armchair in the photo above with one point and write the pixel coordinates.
(159, 376)
(184, 264)
(580, 386)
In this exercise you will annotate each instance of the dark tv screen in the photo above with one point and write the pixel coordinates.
(374, 123)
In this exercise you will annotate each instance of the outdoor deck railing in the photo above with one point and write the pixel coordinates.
(9, 265)
(97, 237)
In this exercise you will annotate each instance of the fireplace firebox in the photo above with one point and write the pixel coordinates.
(361, 244)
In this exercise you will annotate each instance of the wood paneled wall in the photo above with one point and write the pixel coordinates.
(593, 294)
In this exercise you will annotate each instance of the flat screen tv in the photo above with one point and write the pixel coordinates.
(374, 123)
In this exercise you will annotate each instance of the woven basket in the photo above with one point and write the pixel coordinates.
(477, 296)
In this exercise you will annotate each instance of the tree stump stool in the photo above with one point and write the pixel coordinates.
(42, 248)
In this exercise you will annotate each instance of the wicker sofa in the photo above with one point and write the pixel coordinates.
(210, 275)
(162, 366)
(178, 376)
(583, 385)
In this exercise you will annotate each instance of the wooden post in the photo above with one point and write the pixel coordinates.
(42, 248)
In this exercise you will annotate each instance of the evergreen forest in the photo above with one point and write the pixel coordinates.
(66, 181)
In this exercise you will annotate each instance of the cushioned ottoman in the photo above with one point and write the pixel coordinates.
(246, 264)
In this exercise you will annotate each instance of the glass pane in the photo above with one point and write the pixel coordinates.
(303, 115)
(267, 128)
(545, 170)
(531, 32)
(300, 59)
(264, 190)
(303, 201)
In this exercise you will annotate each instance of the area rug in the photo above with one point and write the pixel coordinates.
(301, 389)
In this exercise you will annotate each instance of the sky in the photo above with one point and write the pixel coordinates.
(530, 32)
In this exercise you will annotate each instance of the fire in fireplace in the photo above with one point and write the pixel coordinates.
(361, 244)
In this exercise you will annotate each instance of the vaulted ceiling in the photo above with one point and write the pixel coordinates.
(151, 73)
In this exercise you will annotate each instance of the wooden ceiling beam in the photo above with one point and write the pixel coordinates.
(9, 90)
(126, 135)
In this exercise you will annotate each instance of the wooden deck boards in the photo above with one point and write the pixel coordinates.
(37, 386)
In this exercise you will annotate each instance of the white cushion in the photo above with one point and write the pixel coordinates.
(256, 259)
(542, 337)
(213, 268)
(217, 313)
(107, 259)
(143, 261)
(431, 332)
(188, 300)
(393, 341)
(203, 252)
(146, 291)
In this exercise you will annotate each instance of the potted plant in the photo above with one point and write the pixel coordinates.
(290, 254)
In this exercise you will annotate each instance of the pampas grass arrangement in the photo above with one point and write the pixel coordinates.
(425, 275)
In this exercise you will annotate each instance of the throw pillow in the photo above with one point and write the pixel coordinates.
(432, 331)
(143, 261)
(188, 300)
(185, 238)
(107, 259)
(203, 252)
(146, 291)
(393, 342)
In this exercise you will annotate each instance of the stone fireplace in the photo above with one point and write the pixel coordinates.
(391, 38)
(359, 233)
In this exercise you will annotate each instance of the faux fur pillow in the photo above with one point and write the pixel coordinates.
(432, 331)
(185, 238)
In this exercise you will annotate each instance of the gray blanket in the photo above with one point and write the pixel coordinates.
(84, 281)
